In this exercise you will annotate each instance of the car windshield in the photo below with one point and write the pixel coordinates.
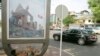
(84, 31)
(88, 28)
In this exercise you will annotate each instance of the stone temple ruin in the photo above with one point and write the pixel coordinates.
(20, 26)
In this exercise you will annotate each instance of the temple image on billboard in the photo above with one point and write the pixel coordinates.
(22, 23)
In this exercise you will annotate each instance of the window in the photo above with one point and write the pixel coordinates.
(89, 20)
(75, 31)
(83, 20)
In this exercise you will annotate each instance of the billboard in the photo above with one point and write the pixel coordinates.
(26, 19)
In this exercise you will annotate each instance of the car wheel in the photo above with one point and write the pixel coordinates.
(81, 41)
(56, 38)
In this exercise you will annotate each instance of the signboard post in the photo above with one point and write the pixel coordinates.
(25, 21)
(61, 13)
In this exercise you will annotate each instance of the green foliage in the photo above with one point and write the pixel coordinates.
(68, 20)
(94, 5)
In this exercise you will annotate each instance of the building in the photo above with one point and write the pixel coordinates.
(84, 17)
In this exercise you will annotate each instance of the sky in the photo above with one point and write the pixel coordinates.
(72, 5)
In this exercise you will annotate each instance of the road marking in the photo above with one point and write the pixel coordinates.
(64, 51)
(67, 51)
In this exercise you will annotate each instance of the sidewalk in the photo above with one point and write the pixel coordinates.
(52, 51)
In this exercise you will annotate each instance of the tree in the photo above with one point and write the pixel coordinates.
(68, 20)
(94, 5)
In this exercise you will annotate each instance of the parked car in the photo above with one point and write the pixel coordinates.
(96, 30)
(81, 36)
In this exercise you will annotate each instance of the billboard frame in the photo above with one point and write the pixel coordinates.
(6, 42)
